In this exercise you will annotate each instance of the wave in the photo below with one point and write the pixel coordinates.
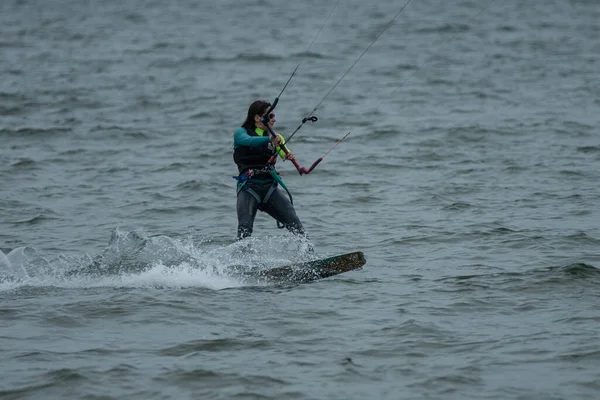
(555, 278)
(589, 149)
(33, 132)
(576, 271)
(134, 259)
(194, 60)
(446, 28)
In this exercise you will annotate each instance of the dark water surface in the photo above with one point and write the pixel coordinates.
(470, 181)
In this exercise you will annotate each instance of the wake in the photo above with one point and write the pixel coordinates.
(134, 259)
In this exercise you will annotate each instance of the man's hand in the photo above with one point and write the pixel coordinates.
(275, 141)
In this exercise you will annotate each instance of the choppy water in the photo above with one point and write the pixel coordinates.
(470, 181)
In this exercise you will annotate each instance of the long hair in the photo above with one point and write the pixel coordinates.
(258, 107)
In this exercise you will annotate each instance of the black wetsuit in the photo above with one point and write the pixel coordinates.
(258, 187)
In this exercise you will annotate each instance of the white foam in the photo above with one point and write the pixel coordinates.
(202, 266)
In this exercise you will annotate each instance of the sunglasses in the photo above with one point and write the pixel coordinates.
(272, 115)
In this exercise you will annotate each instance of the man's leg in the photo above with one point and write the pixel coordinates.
(280, 208)
(247, 205)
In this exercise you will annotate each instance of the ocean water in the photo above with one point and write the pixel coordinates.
(469, 180)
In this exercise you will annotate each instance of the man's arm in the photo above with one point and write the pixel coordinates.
(241, 138)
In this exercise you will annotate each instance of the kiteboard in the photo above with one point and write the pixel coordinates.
(313, 270)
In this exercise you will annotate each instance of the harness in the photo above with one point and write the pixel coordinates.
(268, 174)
